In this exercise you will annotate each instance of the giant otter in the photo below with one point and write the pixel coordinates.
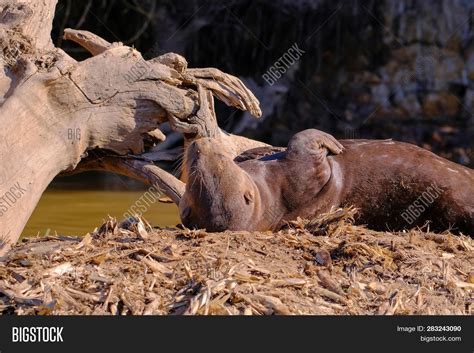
(394, 185)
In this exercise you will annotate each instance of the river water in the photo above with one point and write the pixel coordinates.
(75, 208)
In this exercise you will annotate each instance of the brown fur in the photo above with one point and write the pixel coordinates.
(382, 178)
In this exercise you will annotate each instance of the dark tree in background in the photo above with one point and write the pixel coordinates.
(371, 69)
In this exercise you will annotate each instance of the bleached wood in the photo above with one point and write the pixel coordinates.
(54, 111)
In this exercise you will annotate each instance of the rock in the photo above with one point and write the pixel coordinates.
(449, 68)
(470, 63)
(410, 105)
(442, 104)
(380, 95)
(469, 99)
(450, 104)
(430, 106)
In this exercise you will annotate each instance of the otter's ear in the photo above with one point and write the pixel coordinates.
(248, 197)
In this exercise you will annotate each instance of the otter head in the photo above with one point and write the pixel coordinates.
(219, 194)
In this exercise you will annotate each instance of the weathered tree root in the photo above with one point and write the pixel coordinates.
(55, 109)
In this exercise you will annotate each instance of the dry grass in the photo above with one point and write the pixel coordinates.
(326, 266)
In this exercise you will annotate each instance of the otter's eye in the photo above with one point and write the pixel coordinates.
(248, 197)
(186, 213)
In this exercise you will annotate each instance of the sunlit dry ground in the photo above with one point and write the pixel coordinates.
(327, 266)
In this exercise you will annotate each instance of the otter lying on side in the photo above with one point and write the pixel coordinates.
(394, 185)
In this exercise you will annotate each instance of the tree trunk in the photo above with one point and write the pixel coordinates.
(55, 110)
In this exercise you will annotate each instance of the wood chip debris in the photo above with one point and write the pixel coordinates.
(325, 266)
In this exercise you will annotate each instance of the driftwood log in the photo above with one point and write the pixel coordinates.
(55, 110)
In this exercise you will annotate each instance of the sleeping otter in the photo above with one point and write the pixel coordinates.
(394, 185)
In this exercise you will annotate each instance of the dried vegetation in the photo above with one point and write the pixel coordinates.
(324, 266)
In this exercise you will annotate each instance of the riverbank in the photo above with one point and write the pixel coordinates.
(327, 266)
(78, 211)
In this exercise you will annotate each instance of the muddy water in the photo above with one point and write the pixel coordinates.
(76, 212)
